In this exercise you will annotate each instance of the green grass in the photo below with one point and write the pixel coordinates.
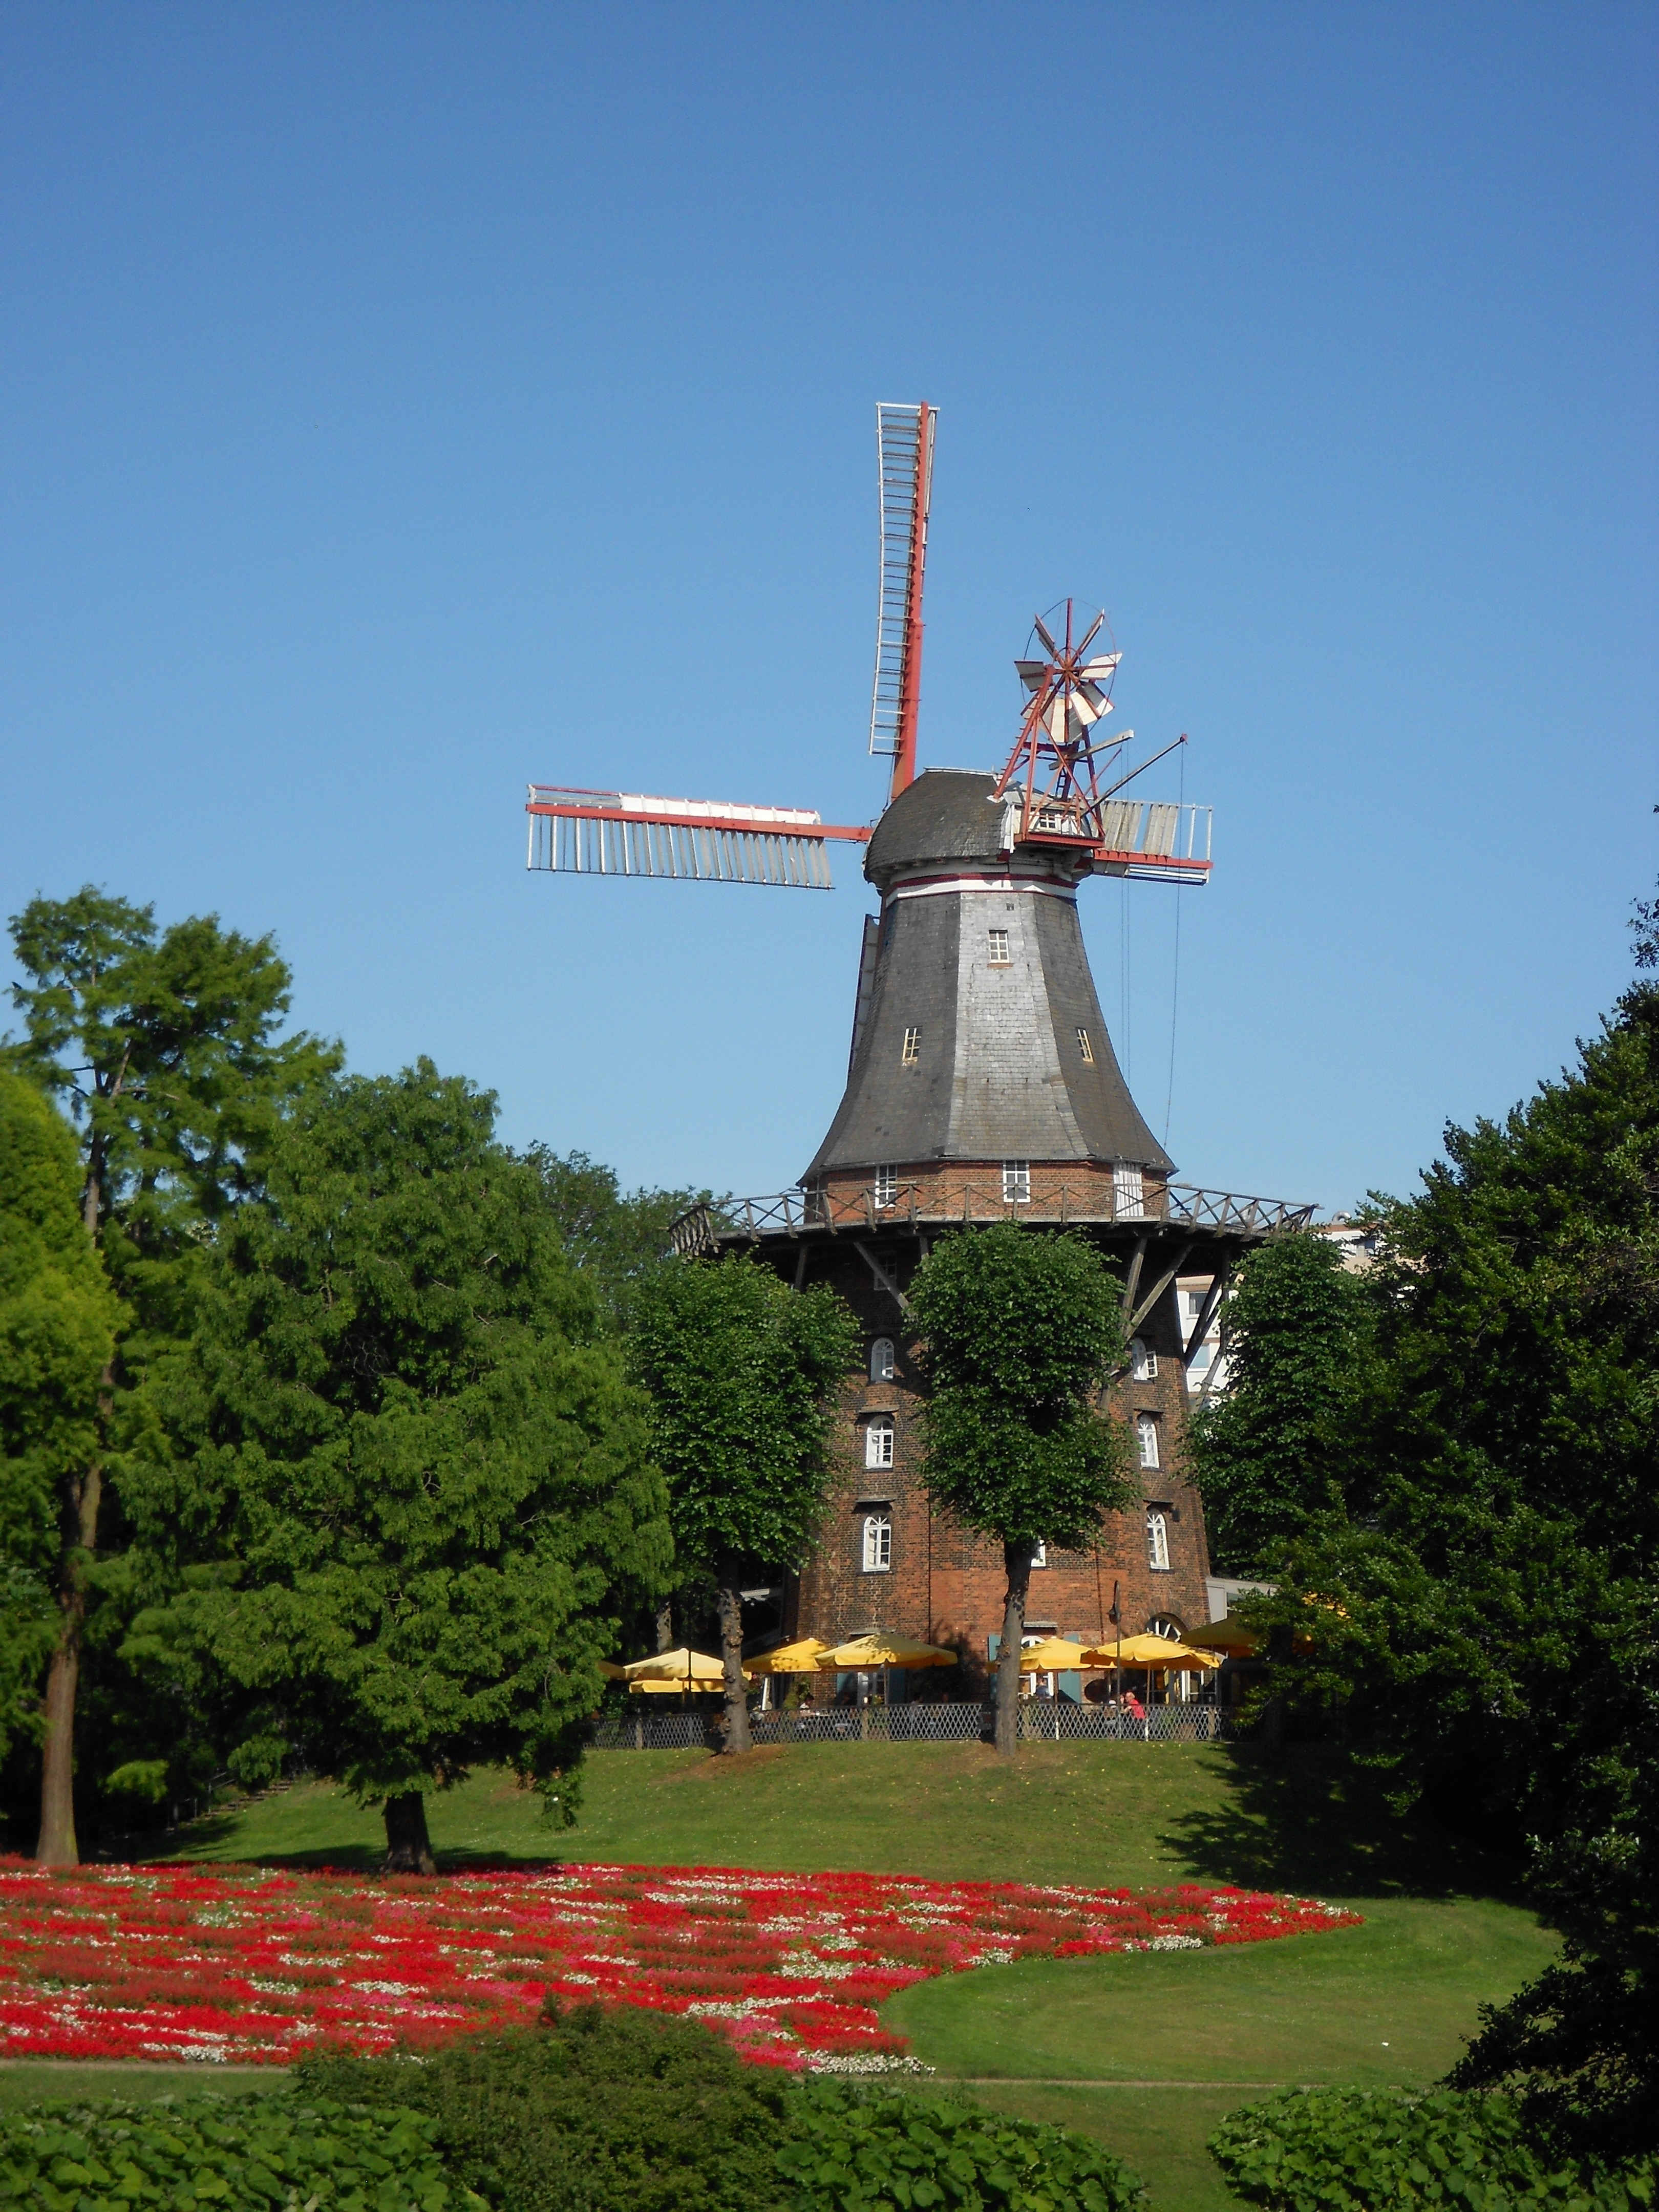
(1390, 2000)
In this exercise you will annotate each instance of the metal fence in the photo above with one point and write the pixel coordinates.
(1041, 1720)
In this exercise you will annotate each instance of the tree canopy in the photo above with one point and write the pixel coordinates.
(1021, 1331)
(404, 1436)
(738, 1368)
(1278, 1446)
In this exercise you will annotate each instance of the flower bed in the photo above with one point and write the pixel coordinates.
(249, 1967)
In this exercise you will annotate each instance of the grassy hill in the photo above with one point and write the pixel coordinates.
(1146, 2052)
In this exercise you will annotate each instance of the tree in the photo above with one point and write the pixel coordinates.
(165, 1048)
(738, 1366)
(406, 1437)
(58, 1324)
(1481, 1610)
(618, 1240)
(1022, 1332)
(1279, 1446)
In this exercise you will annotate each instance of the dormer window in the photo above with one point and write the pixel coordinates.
(912, 1051)
(1000, 957)
(1085, 1048)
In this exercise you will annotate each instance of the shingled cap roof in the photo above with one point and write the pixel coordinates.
(979, 1036)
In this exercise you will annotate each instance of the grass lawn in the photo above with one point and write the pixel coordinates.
(1047, 2039)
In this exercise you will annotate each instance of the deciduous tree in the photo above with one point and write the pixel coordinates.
(738, 1368)
(405, 1434)
(165, 1047)
(1021, 1331)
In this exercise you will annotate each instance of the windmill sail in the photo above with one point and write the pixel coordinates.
(904, 448)
(619, 833)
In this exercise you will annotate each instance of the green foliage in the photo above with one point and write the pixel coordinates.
(1483, 1613)
(237, 2154)
(1369, 2150)
(57, 1325)
(618, 1241)
(873, 2150)
(615, 2111)
(403, 1435)
(1021, 1331)
(1278, 1447)
(738, 1366)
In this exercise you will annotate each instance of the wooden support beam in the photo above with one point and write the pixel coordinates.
(883, 1280)
(1160, 1286)
(1133, 1283)
(1218, 1290)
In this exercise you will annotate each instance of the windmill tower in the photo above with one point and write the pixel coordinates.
(981, 1085)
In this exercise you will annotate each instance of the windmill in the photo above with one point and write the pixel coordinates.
(1052, 785)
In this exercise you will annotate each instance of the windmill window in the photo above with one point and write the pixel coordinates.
(999, 948)
(1015, 1182)
(1166, 1625)
(1147, 1435)
(1129, 1197)
(877, 1543)
(1143, 1364)
(912, 1051)
(886, 1190)
(878, 1441)
(1040, 1555)
(1157, 1541)
(881, 1360)
(1084, 1047)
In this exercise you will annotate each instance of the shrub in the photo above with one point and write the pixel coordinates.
(1365, 2150)
(620, 2111)
(250, 2154)
(868, 2150)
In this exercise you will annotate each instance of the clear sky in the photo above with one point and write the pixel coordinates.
(404, 402)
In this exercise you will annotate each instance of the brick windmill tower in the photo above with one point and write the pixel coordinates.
(982, 1085)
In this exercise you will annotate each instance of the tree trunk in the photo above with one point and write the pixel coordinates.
(82, 1495)
(408, 1846)
(1017, 1559)
(666, 1628)
(737, 1703)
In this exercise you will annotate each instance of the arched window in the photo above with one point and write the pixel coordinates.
(1166, 1625)
(877, 1543)
(1158, 1540)
(878, 1441)
(1146, 1436)
(1143, 1364)
(881, 1360)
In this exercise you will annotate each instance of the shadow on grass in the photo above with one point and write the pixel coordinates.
(212, 1841)
(1311, 1817)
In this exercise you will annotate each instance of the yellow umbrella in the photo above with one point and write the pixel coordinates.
(1154, 1651)
(678, 1669)
(870, 1652)
(805, 1657)
(1229, 1638)
(1055, 1655)
(611, 1672)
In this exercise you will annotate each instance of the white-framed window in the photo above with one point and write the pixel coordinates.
(1000, 957)
(1015, 1182)
(1158, 1540)
(1040, 1556)
(1143, 1364)
(1166, 1625)
(883, 1365)
(877, 1543)
(878, 1441)
(1147, 1438)
(1129, 1197)
(886, 1193)
(1084, 1047)
(912, 1051)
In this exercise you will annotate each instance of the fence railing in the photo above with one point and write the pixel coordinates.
(1041, 1720)
(939, 1200)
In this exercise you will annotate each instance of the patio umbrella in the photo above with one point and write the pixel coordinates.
(1157, 1652)
(682, 1669)
(867, 1653)
(611, 1672)
(1055, 1655)
(805, 1656)
(1229, 1638)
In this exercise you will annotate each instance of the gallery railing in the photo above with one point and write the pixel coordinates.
(938, 1201)
(1041, 1720)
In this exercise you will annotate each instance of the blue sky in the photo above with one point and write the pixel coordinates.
(404, 402)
